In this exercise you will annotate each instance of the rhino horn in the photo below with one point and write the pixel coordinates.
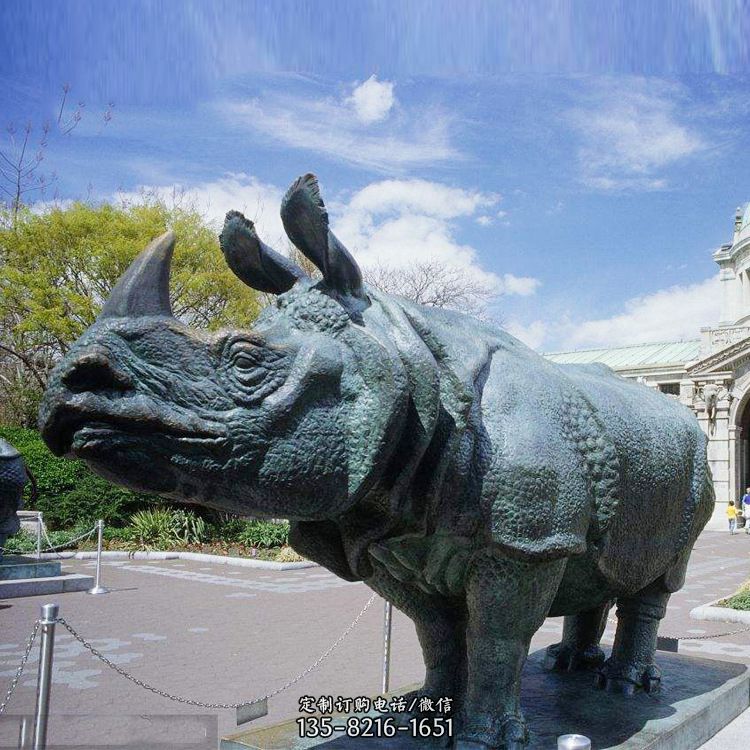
(143, 290)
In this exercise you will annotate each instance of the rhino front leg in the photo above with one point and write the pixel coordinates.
(579, 648)
(440, 624)
(631, 665)
(507, 602)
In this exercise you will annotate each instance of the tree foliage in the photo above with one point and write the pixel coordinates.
(58, 267)
(70, 494)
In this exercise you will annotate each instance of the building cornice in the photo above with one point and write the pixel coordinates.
(734, 353)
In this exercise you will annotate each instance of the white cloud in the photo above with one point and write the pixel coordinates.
(341, 130)
(259, 201)
(372, 100)
(666, 315)
(630, 133)
(533, 335)
(484, 221)
(399, 222)
(523, 286)
(391, 223)
(672, 314)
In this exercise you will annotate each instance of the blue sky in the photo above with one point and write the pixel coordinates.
(582, 159)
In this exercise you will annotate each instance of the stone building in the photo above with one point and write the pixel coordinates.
(710, 374)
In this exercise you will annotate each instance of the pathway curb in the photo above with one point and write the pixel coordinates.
(719, 614)
(241, 562)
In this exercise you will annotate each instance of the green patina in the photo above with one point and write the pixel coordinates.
(477, 486)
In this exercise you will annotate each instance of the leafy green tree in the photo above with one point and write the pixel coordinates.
(58, 266)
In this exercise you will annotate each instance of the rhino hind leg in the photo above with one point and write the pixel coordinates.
(579, 648)
(631, 665)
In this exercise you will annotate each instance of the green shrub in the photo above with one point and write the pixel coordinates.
(187, 528)
(265, 534)
(70, 494)
(166, 527)
(152, 527)
(741, 600)
(227, 531)
(24, 542)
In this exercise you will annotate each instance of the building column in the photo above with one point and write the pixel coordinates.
(736, 468)
(729, 284)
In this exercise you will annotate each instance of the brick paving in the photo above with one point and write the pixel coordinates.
(223, 634)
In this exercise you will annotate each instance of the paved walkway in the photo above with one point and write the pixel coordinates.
(224, 634)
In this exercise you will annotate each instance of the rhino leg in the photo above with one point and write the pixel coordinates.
(440, 626)
(507, 602)
(579, 648)
(631, 664)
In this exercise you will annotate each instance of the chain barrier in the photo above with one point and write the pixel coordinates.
(53, 548)
(21, 666)
(201, 704)
(707, 637)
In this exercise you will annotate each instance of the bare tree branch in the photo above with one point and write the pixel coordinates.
(433, 284)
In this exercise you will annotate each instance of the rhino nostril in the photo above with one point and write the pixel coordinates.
(95, 373)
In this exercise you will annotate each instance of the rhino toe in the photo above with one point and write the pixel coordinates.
(626, 679)
(563, 657)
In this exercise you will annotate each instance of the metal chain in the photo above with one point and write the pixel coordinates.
(706, 637)
(53, 548)
(201, 704)
(19, 671)
(709, 636)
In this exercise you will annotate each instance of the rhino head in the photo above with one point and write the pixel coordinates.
(293, 418)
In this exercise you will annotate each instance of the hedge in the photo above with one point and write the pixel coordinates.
(70, 494)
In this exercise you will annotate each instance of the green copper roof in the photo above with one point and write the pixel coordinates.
(639, 355)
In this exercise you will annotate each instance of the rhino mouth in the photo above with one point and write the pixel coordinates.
(70, 431)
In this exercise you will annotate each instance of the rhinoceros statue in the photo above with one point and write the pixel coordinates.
(477, 486)
(13, 478)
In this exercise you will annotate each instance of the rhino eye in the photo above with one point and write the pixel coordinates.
(256, 371)
(245, 362)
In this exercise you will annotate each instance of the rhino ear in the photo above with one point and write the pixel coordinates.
(306, 222)
(252, 261)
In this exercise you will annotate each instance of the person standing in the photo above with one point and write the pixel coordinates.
(746, 509)
(731, 516)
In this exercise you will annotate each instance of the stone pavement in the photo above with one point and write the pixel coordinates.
(222, 634)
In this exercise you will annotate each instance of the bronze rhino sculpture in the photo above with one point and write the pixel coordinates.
(474, 484)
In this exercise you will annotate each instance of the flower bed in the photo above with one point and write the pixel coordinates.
(178, 531)
(740, 600)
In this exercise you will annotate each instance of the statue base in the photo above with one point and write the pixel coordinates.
(14, 567)
(27, 576)
(698, 698)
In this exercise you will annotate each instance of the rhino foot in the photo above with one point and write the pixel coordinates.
(402, 718)
(563, 657)
(507, 732)
(624, 678)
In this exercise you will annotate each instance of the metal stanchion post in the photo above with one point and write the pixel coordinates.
(39, 526)
(44, 680)
(573, 742)
(24, 734)
(387, 629)
(98, 588)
